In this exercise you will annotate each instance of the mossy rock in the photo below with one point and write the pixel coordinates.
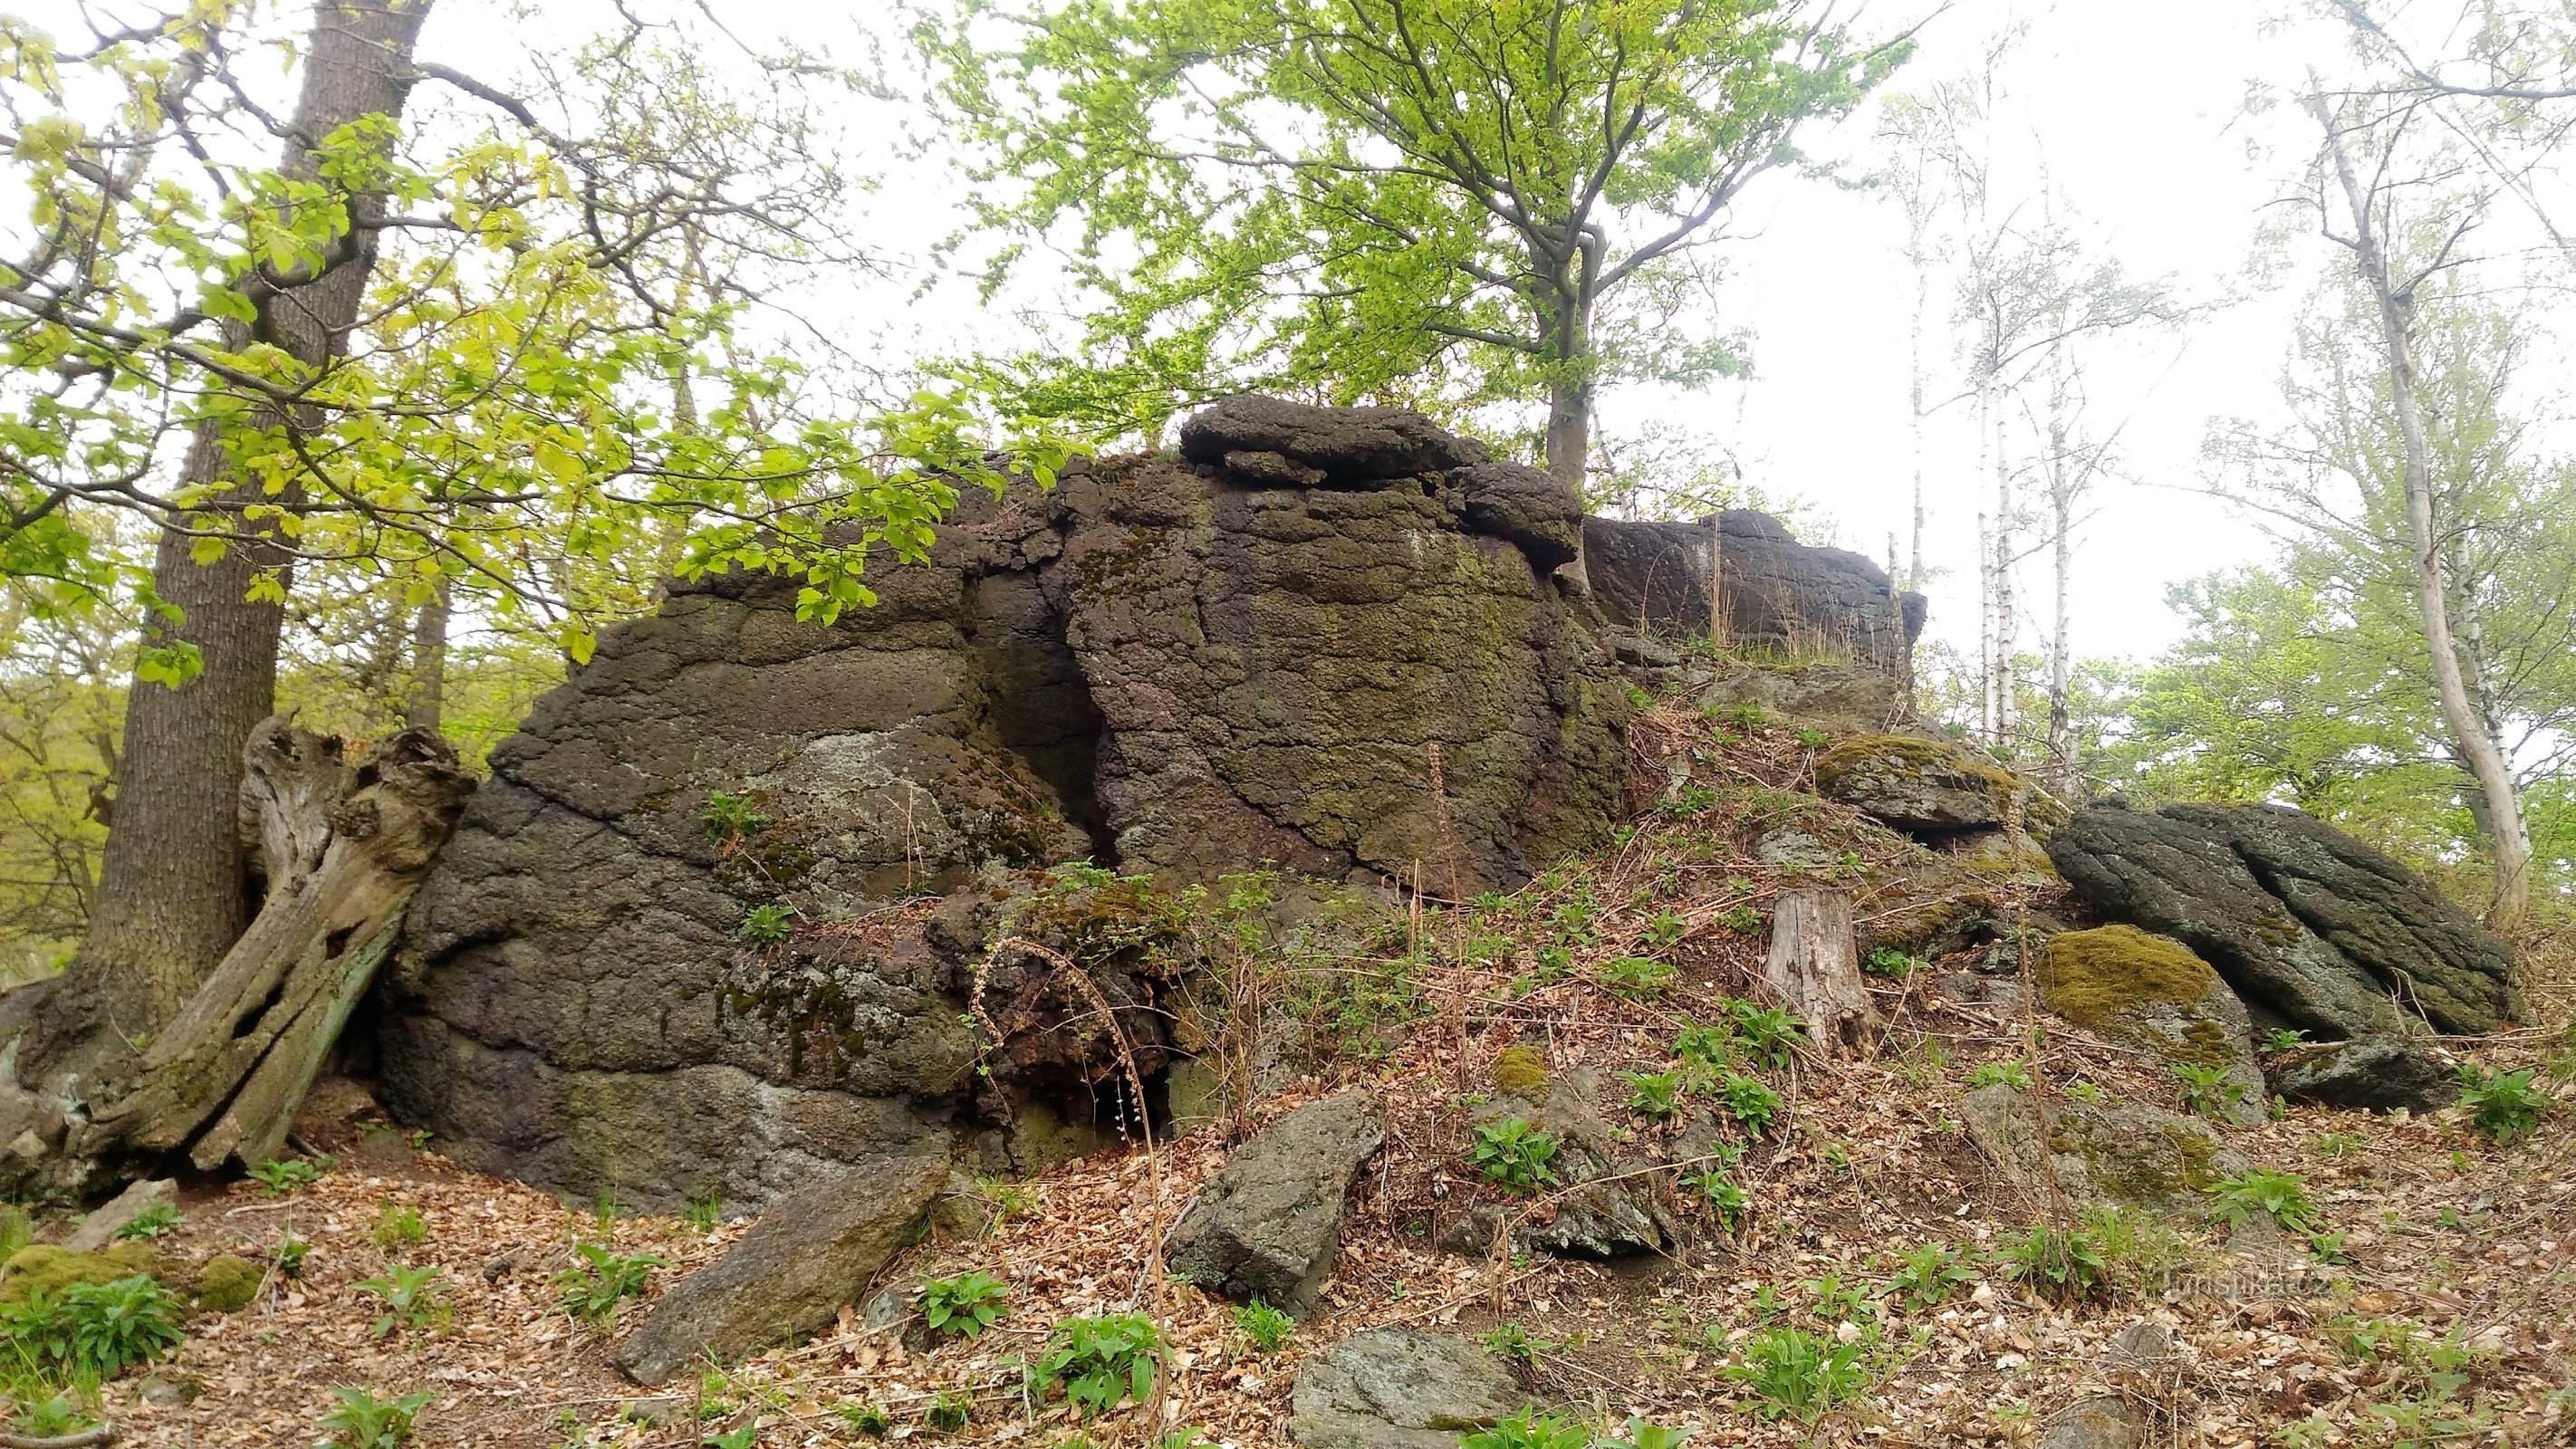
(2129, 1153)
(2152, 991)
(52, 1268)
(1932, 787)
(1521, 1071)
(228, 1283)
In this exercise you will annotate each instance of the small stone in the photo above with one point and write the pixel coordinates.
(1643, 652)
(165, 1392)
(655, 1413)
(101, 1227)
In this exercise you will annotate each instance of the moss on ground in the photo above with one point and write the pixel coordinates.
(53, 1268)
(1521, 1071)
(227, 1283)
(2090, 976)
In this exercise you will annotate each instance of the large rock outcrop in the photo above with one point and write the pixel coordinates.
(1782, 596)
(2309, 925)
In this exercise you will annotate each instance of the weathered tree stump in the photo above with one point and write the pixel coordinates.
(1814, 970)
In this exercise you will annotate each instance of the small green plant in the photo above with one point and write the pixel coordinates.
(1509, 1340)
(2066, 1265)
(288, 1255)
(703, 1211)
(2336, 1146)
(1638, 1434)
(51, 1416)
(767, 925)
(1636, 976)
(1708, 1047)
(1654, 1094)
(2282, 1039)
(1102, 1361)
(399, 1225)
(601, 1279)
(2206, 1090)
(1927, 1275)
(159, 1220)
(412, 1297)
(1530, 1429)
(1771, 1035)
(2280, 1196)
(965, 1304)
(740, 1436)
(731, 817)
(1749, 1100)
(1799, 1374)
(2087, 1091)
(1888, 961)
(1688, 803)
(1664, 928)
(2010, 1072)
(1837, 1302)
(94, 1330)
(2504, 1105)
(1814, 739)
(865, 1418)
(1514, 1153)
(1265, 1326)
(278, 1178)
(949, 1411)
(363, 1421)
(1742, 920)
(1719, 1189)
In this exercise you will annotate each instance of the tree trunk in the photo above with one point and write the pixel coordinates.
(223, 1080)
(427, 703)
(2007, 682)
(2487, 764)
(171, 888)
(1814, 969)
(2061, 670)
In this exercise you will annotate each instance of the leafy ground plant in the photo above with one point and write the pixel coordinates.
(399, 1225)
(363, 1421)
(1799, 1374)
(94, 1330)
(2062, 1264)
(2009, 1072)
(157, 1221)
(1719, 1189)
(412, 1297)
(2281, 1196)
(1771, 1035)
(601, 1279)
(2206, 1090)
(1530, 1429)
(1654, 1094)
(2504, 1105)
(1265, 1326)
(1927, 1275)
(1103, 1361)
(1514, 1153)
(1749, 1100)
(280, 1177)
(965, 1304)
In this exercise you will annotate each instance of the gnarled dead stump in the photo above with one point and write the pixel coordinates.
(1814, 969)
(342, 850)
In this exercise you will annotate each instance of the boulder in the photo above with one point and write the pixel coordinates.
(1784, 600)
(1602, 1205)
(2309, 925)
(1344, 445)
(2141, 1359)
(98, 1230)
(1930, 787)
(2126, 1153)
(2373, 1074)
(1270, 1223)
(1842, 697)
(2152, 992)
(1533, 511)
(49, 1269)
(1395, 1388)
(813, 1251)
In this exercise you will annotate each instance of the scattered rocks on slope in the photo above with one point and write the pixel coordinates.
(1601, 1206)
(2374, 1074)
(813, 1251)
(1394, 1388)
(1270, 1223)
(1932, 787)
(2151, 991)
(2124, 1153)
(2307, 924)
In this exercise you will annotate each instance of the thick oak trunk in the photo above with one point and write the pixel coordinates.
(1814, 969)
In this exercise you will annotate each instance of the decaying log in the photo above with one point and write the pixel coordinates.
(224, 1079)
(1814, 969)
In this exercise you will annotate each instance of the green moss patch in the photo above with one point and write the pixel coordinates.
(1521, 1071)
(53, 1268)
(227, 1283)
(2090, 976)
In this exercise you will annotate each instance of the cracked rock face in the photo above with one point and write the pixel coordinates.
(2309, 925)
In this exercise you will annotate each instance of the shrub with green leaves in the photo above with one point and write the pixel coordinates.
(413, 1298)
(1514, 1154)
(1103, 1361)
(280, 1177)
(1530, 1429)
(363, 1421)
(2206, 1090)
(1771, 1035)
(93, 1330)
(2504, 1105)
(2010, 1072)
(1654, 1094)
(2065, 1265)
(1749, 1100)
(964, 1304)
(1664, 928)
(1265, 1326)
(1508, 1339)
(2280, 1196)
(1927, 1275)
(1711, 1048)
(1638, 1434)
(159, 1220)
(1797, 1373)
(601, 1279)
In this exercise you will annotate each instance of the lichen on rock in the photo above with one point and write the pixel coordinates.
(2151, 991)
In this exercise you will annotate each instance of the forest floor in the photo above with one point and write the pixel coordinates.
(2449, 1317)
